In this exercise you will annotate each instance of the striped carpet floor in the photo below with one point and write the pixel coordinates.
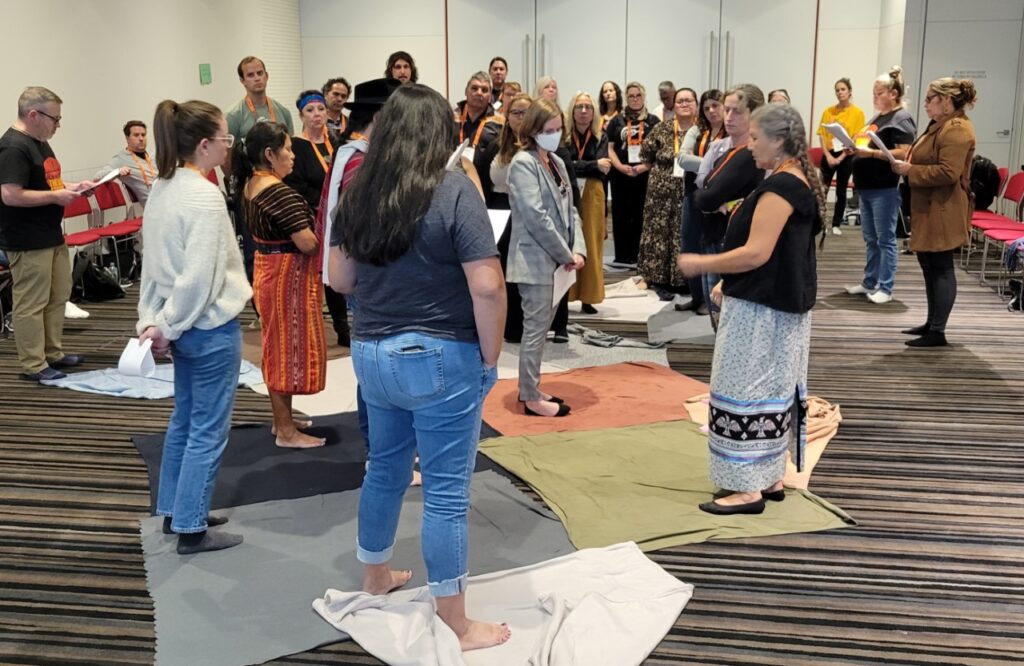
(928, 460)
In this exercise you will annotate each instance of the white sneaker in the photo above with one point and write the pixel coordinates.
(857, 290)
(879, 297)
(836, 231)
(72, 311)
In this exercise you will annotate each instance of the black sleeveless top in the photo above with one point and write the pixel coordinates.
(788, 281)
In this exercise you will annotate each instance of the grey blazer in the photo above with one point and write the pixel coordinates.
(546, 229)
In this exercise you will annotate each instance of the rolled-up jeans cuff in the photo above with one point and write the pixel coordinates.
(375, 557)
(450, 587)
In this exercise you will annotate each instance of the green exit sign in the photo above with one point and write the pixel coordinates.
(205, 75)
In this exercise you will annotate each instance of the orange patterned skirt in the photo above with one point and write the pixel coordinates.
(288, 293)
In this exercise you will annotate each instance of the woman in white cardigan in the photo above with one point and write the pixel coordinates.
(546, 237)
(193, 288)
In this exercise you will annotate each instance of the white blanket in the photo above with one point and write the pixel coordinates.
(593, 607)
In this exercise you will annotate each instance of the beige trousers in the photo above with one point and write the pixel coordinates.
(42, 286)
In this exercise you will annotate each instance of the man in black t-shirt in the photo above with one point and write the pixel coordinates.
(32, 200)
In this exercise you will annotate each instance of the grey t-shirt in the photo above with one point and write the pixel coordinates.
(425, 290)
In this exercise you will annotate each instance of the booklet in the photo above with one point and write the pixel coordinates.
(881, 146)
(839, 132)
(563, 280)
(453, 161)
(499, 220)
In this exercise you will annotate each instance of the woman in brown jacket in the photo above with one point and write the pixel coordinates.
(938, 170)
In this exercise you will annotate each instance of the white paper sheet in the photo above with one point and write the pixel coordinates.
(839, 132)
(137, 359)
(563, 280)
(453, 161)
(881, 146)
(499, 220)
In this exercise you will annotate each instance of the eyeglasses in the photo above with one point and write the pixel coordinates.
(583, 107)
(228, 139)
(929, 98)
(55, 119)
(518, 114)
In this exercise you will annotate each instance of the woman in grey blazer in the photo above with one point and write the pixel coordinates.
(546, 237)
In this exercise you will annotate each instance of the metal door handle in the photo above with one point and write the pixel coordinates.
(1004, 132)
(711, 60)
(725, 71)
(541, 60)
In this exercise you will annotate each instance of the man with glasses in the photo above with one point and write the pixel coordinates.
(32, 200)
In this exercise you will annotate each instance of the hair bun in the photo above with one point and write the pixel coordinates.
(895, 71)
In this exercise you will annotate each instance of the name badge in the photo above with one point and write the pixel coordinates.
(633, 154)
(469, 153)
(837, 146)
(677, 171)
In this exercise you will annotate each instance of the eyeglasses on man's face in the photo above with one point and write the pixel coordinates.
(55, 119)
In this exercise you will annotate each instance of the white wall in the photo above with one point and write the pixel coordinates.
(848, 44)
(114, 60)
(353, 39)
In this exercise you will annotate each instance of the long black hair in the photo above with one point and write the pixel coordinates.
(249, 153)
(394, 185)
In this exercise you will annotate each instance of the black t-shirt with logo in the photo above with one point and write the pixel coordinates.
(31, 164)
(896, 128)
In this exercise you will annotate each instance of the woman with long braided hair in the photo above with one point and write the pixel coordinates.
(768, 287)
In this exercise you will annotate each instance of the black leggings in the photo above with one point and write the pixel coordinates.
(939, 285)
(842, 173)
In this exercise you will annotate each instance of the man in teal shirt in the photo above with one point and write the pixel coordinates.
(256, 105)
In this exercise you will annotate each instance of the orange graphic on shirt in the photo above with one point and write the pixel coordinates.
(861, 139)
(51, 167)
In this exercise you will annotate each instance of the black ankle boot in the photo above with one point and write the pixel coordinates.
(917, 330)
(929, 339)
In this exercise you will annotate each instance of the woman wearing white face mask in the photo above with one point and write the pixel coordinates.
(546, 237)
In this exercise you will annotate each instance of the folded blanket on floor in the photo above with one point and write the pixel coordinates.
(161, 385)
(823, 419)
(251, 603)
(601, 339)
(608, 396)
(597, 607)
(643, 484)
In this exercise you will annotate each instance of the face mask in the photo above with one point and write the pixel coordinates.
(549, 142)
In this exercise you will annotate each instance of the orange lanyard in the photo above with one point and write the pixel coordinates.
(189, 165)
(152, 171)
(356, 136)
(783, 165)
(479, 129)
(675, 134)
(342, 123)
(580, 148)
(265, 173)
(724, 162)
(705, 141)
(629, 134)
(316, 151)
(270, 108)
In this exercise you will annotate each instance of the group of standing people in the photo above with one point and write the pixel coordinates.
(375, 213)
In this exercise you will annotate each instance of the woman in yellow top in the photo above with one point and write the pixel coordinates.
(833, 160)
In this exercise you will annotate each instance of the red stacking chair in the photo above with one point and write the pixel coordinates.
(109, 196)
(999, 238)
(80, 207)
(985, 220)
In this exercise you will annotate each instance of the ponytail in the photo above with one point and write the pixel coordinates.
(178, 129)
(249, 154)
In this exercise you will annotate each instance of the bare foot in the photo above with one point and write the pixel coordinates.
(299, 440)
(381, 580)
(543, 407)
(738, 498)
(479, 635)
(417, 479)
(298, 424)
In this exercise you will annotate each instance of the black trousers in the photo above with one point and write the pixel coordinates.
(842, 173)
(337, 305)
(939, 285)
(628, 195)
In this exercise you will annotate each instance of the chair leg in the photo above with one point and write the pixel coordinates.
(984, 260)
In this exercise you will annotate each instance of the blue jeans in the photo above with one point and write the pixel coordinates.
(206, 366)
(879, 212)
(422, 394)
(690, 241)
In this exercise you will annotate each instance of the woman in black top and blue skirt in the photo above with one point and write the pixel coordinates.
(769, 284)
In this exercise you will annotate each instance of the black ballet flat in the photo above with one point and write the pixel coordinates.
(775, 495)
(563, 410)
(589, 309)
(755, 507)
(555, 399)
(917, 330)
